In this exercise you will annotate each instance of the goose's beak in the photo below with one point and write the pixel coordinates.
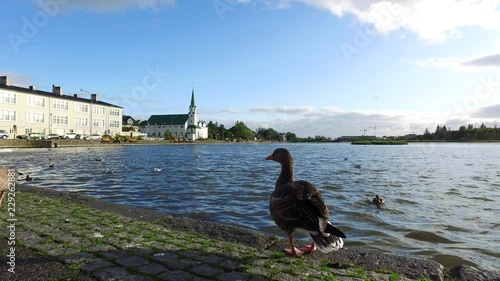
(270, 157)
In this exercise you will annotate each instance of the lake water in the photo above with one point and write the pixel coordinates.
(442, 200)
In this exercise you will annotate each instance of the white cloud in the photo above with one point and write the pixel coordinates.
(431, 20)
(115, 5)
(334, 122)
(486, 61)
(455, 63)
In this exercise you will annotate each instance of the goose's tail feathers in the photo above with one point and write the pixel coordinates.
(330, 240)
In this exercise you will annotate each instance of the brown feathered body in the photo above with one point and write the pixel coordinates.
(299, 205)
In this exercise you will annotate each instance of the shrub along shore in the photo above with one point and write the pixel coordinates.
(62, 236)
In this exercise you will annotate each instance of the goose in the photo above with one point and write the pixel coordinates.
(28, 178)
(299, 205)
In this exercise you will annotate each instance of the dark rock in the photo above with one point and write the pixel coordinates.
(132, 261)
(113, 273)
(233, 276)
(374, 260)
(469, 273)
(206, 270)
(220, 232)
(95, 264)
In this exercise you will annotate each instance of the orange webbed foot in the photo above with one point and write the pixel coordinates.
(308, 248)
(293, 252)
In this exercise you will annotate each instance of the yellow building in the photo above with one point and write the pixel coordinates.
(27, 110)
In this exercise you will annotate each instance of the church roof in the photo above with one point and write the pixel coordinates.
(192, 99)
(170, 119)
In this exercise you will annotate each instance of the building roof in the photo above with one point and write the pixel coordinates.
(54, 95)
(126, 117)
(135, 122)
(192, 99)
(171, 119)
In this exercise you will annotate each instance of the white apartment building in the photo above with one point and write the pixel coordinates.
(27, 110)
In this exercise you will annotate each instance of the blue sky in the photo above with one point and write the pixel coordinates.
(312, 67)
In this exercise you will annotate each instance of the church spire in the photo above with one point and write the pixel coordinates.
(192, 99)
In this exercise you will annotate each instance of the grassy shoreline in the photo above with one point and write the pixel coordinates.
(98, 239)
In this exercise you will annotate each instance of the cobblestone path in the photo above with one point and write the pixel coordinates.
(100, 245)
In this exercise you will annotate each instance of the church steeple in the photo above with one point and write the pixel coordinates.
(192, 99)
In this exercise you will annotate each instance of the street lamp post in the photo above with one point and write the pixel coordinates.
(91, 121)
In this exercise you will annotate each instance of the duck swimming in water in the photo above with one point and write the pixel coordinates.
(378, 200)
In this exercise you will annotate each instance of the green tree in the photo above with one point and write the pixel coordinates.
(269, 134)
(240, 130)
(291, 136)
(427, 135)
(167, 135)
(212, 130)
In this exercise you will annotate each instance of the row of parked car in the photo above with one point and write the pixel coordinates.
(40, 136)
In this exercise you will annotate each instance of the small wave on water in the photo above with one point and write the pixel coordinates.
(428, 237)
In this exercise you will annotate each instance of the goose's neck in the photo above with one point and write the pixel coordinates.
(286, 175)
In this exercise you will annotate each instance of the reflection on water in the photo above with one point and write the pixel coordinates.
(441, 203)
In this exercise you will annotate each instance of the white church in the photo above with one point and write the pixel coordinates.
(180, 126)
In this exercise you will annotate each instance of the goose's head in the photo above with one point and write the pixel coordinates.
(281, 155)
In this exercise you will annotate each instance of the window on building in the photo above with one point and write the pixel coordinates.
(98, 123)
(114, 111)
(60, 104)
(7, 115)
(82, 107)
(59, 120)
(98, 109)
(114, 124)
(81, 121)
(34, 117)
(7, 97)
(36, 101)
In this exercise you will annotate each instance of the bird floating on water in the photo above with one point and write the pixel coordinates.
(51, 166)
(110, 171)
(157, 170)
(357, 166)
(378, 200)
(299, 205)
(28, 178)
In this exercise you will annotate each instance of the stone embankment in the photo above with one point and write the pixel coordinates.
(63, 236)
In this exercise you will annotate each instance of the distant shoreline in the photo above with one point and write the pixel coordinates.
(60, 143)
